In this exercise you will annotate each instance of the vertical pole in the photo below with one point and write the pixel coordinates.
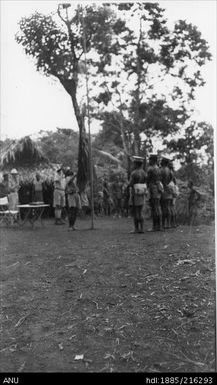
(89, 134)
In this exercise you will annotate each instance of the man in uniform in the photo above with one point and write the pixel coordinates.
(155, 191)
(138, 177)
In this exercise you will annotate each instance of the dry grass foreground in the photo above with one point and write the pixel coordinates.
(105, 300)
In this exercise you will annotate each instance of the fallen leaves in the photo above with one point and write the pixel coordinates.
(151, 299)
(12, 348)
(21, 320)
(79, 357)
(21, 367)
(108, 356)
(186, 261)
(14, 264)
(128, 356)
(73, 336)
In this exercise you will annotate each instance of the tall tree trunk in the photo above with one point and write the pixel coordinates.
(137, 140)
(83, 174)
(70, 86)
(125, 145)
(71, 89)
(78, 114)
(83, 150)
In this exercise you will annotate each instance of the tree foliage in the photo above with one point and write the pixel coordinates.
(57, 46)
(197, 142)
(156, 74)
(143, 75)
(111, 130)
(60, 146)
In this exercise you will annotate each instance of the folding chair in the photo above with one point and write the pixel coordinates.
(7, 216)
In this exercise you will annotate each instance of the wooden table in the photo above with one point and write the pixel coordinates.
(32, 213)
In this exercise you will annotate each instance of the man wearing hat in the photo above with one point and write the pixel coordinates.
(155, 191)
(167, 196)
(138, 192)
(59, 201)
(13, 187)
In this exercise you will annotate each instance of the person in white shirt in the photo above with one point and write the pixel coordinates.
(59, 200)
(14, 187)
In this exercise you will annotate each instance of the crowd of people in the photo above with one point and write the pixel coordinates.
(110, 198)
(153, 191)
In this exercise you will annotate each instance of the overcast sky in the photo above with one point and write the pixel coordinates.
(31, 102)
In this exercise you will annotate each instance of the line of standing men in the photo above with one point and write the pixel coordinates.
(160, 183)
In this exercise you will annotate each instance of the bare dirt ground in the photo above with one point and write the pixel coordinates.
(105, 300)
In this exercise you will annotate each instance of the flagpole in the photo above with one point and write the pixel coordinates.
(88, 117)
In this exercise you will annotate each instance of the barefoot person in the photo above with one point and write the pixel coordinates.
(155, 191)
(138, 191)
(167, 196)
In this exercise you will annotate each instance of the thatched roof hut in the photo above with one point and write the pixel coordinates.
(21, 153)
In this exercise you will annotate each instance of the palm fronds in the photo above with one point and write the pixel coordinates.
(108, 156)
(20, 152)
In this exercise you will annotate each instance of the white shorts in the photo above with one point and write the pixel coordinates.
(59, 198)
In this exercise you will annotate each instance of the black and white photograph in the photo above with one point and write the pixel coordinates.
(107, 190)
